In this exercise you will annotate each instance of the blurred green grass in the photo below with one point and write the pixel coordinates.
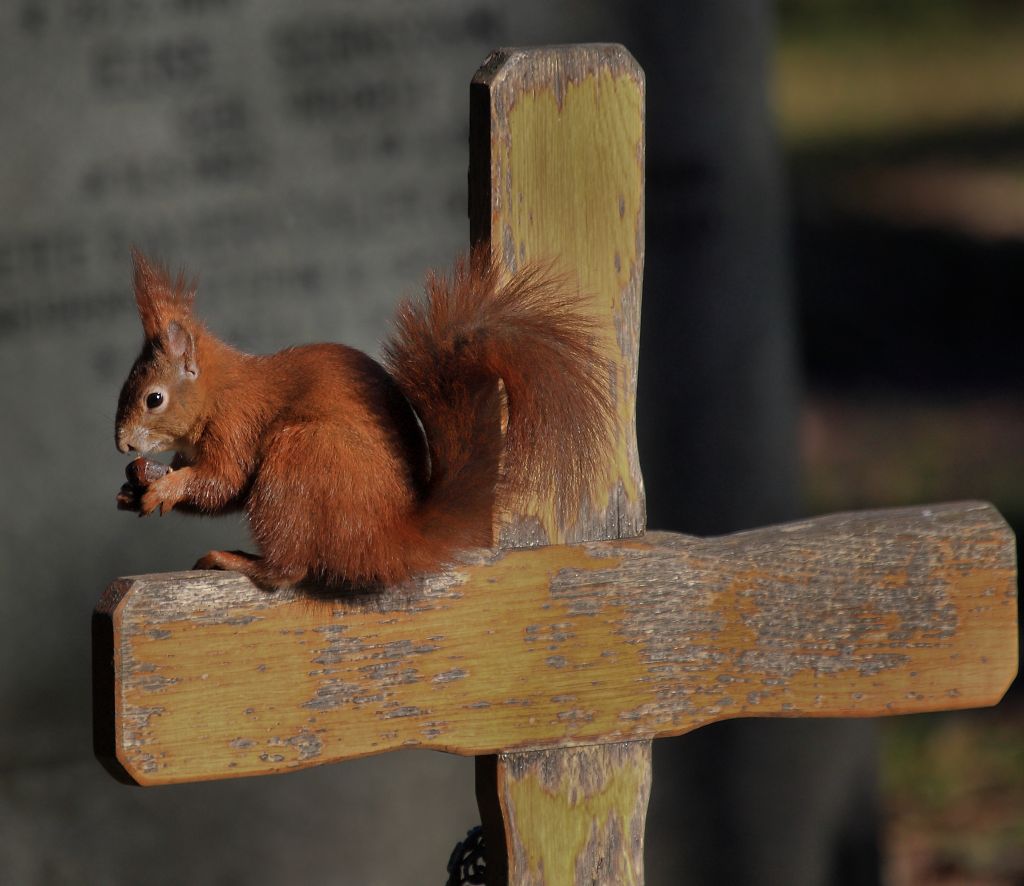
(865, 70)
(953, 788)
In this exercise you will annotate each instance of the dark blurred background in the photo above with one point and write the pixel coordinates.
(834, 257)
(903, 130)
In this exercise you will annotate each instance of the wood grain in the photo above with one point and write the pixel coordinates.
(860, 614)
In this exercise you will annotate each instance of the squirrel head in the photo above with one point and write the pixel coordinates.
(161, 400)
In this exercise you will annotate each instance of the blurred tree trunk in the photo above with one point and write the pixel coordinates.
(745, 801)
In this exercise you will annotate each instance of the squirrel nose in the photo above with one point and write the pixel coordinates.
(123, 445)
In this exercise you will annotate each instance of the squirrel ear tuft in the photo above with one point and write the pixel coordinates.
(160, 299)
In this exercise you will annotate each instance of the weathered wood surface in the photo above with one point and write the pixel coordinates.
(566, 816)
(557, 173)
(869, 613)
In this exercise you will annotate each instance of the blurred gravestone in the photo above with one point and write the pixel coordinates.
(308, 160)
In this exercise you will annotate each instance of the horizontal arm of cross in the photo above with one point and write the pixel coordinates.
(202, 675)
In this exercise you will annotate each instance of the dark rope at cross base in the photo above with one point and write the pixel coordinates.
(467, 866)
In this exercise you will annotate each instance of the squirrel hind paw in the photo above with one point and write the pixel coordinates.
(255, 568)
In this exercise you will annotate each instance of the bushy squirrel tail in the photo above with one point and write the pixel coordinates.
(543, 429)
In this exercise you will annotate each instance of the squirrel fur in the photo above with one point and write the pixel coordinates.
(352, 473)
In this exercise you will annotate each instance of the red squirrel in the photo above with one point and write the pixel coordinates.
(351, 473)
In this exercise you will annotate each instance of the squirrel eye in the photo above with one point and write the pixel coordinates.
(154, 400)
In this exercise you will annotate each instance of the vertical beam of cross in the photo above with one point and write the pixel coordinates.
(557, 173)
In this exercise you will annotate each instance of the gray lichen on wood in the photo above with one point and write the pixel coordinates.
(870, 613)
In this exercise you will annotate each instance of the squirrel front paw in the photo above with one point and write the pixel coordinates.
(164, 493)
(139, 475)
(128, 498)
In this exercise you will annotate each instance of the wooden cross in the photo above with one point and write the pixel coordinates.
(558, 656)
